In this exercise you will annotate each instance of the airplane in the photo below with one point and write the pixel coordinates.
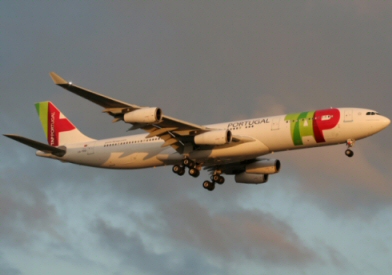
(231, 148)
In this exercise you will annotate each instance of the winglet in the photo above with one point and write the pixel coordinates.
(58, 80)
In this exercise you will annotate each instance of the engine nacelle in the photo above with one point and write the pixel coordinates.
(245, 177)
(144, 115)
(217, 137)
(264, 166)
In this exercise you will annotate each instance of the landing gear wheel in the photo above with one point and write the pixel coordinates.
(176, 168)
(221, 180)
(194, 172)
(215, 178)
(209, 185)
(218, 179)
(188, 163)
(350, 143)
(179, 170)
(349, 153)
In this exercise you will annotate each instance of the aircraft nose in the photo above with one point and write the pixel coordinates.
(383, 122)
(386, 121)
(380, 124)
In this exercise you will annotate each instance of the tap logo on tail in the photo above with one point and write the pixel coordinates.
(53, 122)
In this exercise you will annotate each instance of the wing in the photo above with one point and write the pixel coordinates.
(175, 132)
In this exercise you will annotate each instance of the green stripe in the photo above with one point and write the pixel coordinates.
(308, 118)
(298, 128)
(42, 110)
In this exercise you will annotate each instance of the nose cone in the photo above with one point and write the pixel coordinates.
(385, 121)
(381, 123)
(377, 124)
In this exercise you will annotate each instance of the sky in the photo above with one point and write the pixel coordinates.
(204, 62)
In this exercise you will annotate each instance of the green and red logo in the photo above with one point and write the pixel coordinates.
(53, 121)
(312, 124)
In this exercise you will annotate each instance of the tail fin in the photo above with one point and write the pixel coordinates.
(58, 129)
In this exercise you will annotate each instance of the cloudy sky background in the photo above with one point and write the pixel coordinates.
(205, 63)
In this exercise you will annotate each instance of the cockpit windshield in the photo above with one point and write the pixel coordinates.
(372, 113)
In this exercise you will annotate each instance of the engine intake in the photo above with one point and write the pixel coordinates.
(144, 115)
(216, 137)
(245, 177)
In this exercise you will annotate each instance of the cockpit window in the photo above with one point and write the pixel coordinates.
(372, 113)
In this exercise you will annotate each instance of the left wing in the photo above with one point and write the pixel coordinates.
(175, 132)
(172, 130)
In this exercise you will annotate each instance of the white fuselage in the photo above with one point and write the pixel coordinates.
(263, 135)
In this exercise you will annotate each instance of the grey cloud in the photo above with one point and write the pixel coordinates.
(25, 210)
(202, 241)
(7, 269)
(134, 253)
(241, 234)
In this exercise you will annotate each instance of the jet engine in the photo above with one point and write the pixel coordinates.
(144, 115)
(245, 177)
(263, 166)
(216, 137)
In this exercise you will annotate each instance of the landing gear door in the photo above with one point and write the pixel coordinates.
(348, 115)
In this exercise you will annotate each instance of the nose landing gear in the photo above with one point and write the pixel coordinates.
(349, 153)
(350, 143)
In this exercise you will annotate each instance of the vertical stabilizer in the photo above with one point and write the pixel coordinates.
(58, 129)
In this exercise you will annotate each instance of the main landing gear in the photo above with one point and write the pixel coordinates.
(350, 143)
(215, 178)
(194, 171)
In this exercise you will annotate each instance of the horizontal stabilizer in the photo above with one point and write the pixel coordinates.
(38, 145)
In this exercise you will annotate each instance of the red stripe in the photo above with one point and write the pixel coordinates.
(56, 125)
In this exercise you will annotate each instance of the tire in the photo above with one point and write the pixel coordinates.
(221, 180)
(206, 184)
(349, 153)
(212, 187)
(181, 172)
(194, 172)
(176, 169)
(216, 178)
